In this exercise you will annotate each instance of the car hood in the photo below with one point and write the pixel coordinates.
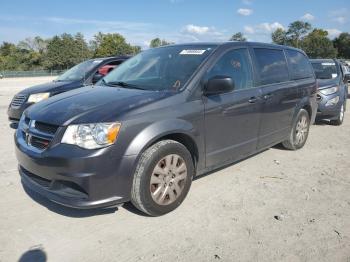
(52, 87)
(325, 83)
(91, 104)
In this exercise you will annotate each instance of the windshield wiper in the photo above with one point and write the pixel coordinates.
(123, 84)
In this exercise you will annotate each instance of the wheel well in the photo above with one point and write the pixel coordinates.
(308, 109)
(187, 141)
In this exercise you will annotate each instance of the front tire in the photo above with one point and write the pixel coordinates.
(340, 117)
(162, 178)
(299, 132)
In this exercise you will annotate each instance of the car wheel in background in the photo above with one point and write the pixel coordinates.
(340, 117)
(162, 178)
(299, 132)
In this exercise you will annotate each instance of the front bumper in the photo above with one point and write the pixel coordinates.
(15, 113)
(76, 177)
(328, 112)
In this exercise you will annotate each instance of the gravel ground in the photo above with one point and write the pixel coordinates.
(275, 206)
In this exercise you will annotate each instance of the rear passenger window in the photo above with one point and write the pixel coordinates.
(234, 64)
(271, 66)
(299, 65)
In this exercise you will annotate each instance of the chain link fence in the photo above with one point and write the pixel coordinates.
(9, 74)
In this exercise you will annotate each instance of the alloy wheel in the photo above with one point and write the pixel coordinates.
(168, 179)
(301, 130)
(341, 114)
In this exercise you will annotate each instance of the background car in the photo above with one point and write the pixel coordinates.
(333, 90)
(346, 70)
(106, 69)
(85, 73)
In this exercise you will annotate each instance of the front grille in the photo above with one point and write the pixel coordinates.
(18, 100)
(46, 128)
(38, 134)
(38, 142)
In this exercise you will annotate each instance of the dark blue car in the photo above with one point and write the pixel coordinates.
(85, 73)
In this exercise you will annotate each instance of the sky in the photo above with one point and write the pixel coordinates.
(173, 20)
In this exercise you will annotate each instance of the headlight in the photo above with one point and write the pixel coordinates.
(35, 98)
(329, 91)
(91, 136)
(333, 101)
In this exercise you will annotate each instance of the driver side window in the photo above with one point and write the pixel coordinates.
(235, 64)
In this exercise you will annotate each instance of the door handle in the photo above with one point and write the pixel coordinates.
(252, 100)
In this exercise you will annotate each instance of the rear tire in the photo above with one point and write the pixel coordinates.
(340, 117)
(162, 178)
(299, 132)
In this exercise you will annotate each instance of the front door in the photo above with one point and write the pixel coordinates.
(232, 119)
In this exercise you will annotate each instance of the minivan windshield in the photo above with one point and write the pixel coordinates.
(79, 71)
(325, 70)
(165, 68)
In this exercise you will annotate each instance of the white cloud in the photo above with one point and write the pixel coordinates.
(340, 19)
(333, 33)
(261, 32)
(340, 15)
(247, 2)
(269, 27)
(245, 11)
(308, 17)
(191, 32)
(249, 29)
(97, 23)
(195, 29)
(176, 1)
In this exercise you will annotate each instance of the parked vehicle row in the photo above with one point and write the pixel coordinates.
(83, 74)
(164, 116)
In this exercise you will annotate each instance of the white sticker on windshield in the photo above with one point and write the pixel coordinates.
(334, 75)
(97, 61)
(328, 64)
(192, 52)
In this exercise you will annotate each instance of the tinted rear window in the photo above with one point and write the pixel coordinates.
(271, 66)
(299, 65)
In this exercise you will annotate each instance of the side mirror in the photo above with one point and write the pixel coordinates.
(97, 77)
(346, 78)
(219, 85)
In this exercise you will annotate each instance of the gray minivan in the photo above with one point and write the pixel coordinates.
(163, 117)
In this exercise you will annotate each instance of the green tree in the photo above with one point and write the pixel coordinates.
(36, 44)
(296, 31)
(81, 48)
(12, 58)
(157, 42)
(279, 36)
(66, 51)
(317, 45)
(111, 45)
(342, 43)
(238, 37)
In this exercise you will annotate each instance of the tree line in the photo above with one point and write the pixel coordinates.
(314, 41)
(61, 52)
(64, 51)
